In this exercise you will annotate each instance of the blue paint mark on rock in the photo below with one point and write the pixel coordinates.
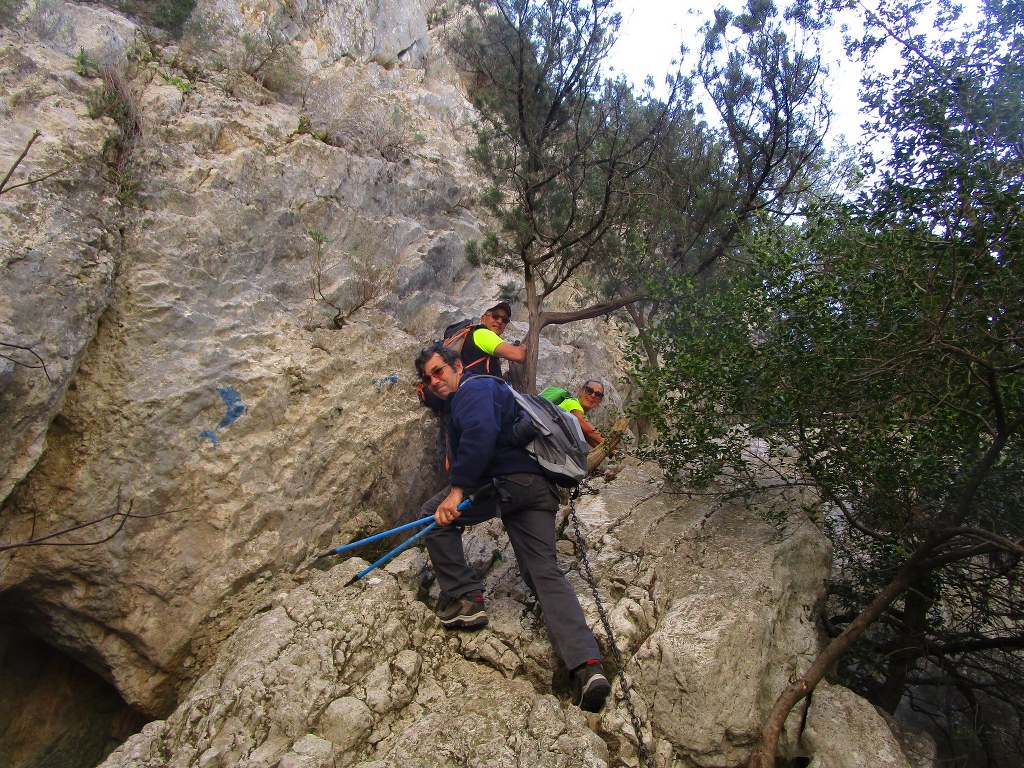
(234, 403)
(235, 408)
(385, 382)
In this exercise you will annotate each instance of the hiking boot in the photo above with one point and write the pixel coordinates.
(590, 687)
(466, 612)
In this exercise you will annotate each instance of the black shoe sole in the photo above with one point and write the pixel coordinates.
(594, 694)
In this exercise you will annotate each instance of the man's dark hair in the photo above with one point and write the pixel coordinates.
(448, 355)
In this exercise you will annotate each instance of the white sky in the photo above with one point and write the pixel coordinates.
(652, 31)
(650, 36)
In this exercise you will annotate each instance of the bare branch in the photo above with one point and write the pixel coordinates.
(595, 310)
(119, 514)
(10, 171)
(41, 364)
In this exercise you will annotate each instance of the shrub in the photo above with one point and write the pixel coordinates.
(269, 57)
(49, 20)
(116, 99)
(370, 277)
(306, 127)
(85, 65)
(200, 36)
(362, 119)
(183, 85)
(169, 15)
(396, 137)
(172, 15)
(10, 10)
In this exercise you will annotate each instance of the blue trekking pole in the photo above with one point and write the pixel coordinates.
(368, 539)
(401, 547)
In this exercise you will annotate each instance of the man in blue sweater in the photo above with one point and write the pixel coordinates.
(479, 419)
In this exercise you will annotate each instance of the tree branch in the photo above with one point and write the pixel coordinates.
(10, 171)
(595, 310)
(42, 363)
(45, 540)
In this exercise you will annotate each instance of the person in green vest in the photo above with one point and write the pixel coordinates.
(481, 348)
(484, 348)
(588, 397)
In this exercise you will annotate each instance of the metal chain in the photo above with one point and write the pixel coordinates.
(645, 756)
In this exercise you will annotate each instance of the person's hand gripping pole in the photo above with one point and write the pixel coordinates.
(464, 504)
(376, 536)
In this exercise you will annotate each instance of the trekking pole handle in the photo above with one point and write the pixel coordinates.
(381, 535)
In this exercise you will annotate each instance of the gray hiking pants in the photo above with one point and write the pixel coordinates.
(529, 519)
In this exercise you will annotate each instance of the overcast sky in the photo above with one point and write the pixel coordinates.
(652, 31)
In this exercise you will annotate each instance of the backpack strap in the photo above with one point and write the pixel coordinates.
(486, 359)
(451, 339)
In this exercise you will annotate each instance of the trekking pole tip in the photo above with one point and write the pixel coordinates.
(352, 581)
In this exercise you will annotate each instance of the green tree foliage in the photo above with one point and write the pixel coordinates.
(761, 154)
(768, 92)
(567, 148)
(626, 195)
(10, 10)
(875, 356)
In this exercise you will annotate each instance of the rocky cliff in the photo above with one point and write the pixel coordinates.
(208, 315)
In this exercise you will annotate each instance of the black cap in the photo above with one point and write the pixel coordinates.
(501, 305)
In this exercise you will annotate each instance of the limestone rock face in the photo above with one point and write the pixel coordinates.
(838, 723)
(60, 245)
(227, 321)
(389, 32)
(736, 612)
(334, 675)
(199, 393)
(363, 675)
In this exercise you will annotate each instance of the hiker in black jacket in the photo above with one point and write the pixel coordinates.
(484, 349)
(481, 348)
(480, 413)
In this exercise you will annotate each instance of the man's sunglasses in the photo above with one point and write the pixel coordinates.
(429, 376)
(598, 393)
(500, 318)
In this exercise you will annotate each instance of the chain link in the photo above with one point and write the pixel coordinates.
(645, 756)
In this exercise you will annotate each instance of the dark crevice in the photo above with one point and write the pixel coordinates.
(54, 712)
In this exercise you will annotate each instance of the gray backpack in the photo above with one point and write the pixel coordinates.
(552, 436)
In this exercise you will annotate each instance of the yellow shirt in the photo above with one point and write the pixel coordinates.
(486, 340)
(571, 404)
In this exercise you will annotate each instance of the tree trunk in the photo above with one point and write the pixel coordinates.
(523, 377)
(599, 453)
(916, 605)
(643, 334)
(764, 754)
